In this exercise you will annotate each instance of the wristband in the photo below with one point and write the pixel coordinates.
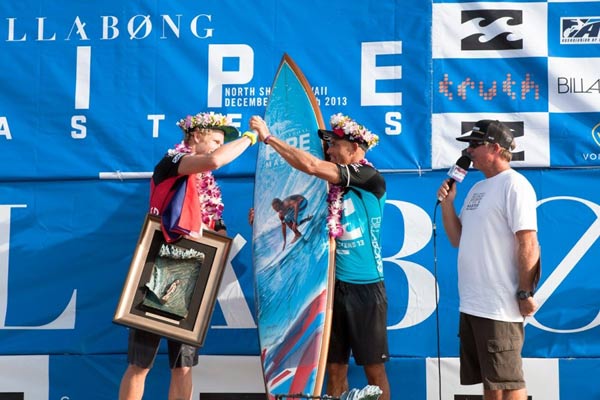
(266, 140)
(251, 136)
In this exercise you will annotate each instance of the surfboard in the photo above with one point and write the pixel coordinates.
(293, 280)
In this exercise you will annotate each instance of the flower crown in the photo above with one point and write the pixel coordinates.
(209, 120)
(354, 131)
(203, 120)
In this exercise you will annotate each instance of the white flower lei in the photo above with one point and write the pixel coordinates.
(209, 193)
(203, 120)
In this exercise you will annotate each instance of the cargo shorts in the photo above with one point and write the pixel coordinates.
(490, 353)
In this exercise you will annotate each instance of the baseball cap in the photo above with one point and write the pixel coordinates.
(491, 131)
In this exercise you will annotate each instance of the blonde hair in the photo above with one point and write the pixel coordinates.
(506, 153)
(203, 131)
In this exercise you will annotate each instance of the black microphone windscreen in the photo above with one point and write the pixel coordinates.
(464, 162)
(457, 172)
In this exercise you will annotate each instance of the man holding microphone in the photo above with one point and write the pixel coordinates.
(498, 263)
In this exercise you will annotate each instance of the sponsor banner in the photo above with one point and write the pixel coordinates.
(17, 373)
(566, 205)
(95, 92)
(472, 79)
(541, 377)
(574, 84)
(409, 264)
(529, 129)
(574, 378)
(575, 139)
(99, 87)
(98, 376)
(490, 85)
(573, 29)
(87, 233)
(489, 30)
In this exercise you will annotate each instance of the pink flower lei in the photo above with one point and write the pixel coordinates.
(208, 191)
(335, 207)
(344, 125)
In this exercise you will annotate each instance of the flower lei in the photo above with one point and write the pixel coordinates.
(335, 207)
(203, 120)
(208, 191)
(345, 125)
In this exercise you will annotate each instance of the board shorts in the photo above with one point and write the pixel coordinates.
(143, 347)
(359, 324)
(490, 353)
(290, 212)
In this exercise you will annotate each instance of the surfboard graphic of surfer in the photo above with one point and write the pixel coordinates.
(290, 210)
(293, 277)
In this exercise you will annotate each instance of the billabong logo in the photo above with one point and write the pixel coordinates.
(517, 128)
(496, 30)
(580, 30)
(137, 27)
(577, 85)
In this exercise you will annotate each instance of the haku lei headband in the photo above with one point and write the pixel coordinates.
(343, 125)
(204, 120)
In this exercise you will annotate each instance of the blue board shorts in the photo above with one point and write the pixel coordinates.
(289, 215)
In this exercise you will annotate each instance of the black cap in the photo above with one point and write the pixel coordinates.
(327, 135)
(491, 131)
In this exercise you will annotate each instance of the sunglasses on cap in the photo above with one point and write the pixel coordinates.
(473, 144)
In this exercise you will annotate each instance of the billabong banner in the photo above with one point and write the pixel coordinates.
(89, 96)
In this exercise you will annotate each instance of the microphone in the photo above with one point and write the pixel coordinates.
(457, 172)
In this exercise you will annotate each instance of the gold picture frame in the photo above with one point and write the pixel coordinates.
(171, 288)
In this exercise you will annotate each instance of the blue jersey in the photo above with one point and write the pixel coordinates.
(358, 250)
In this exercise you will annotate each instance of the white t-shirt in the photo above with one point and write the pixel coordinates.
(488, 275)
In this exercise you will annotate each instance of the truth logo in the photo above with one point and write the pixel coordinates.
(495, 30)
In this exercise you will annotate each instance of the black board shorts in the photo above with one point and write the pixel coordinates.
(359, 324)
(143, 347)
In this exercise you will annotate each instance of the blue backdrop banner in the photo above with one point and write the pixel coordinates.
(89, 96)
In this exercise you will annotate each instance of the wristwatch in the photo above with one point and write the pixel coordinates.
(524, 294)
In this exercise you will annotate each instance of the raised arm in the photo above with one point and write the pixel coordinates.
(225, 154)
(297, 158)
